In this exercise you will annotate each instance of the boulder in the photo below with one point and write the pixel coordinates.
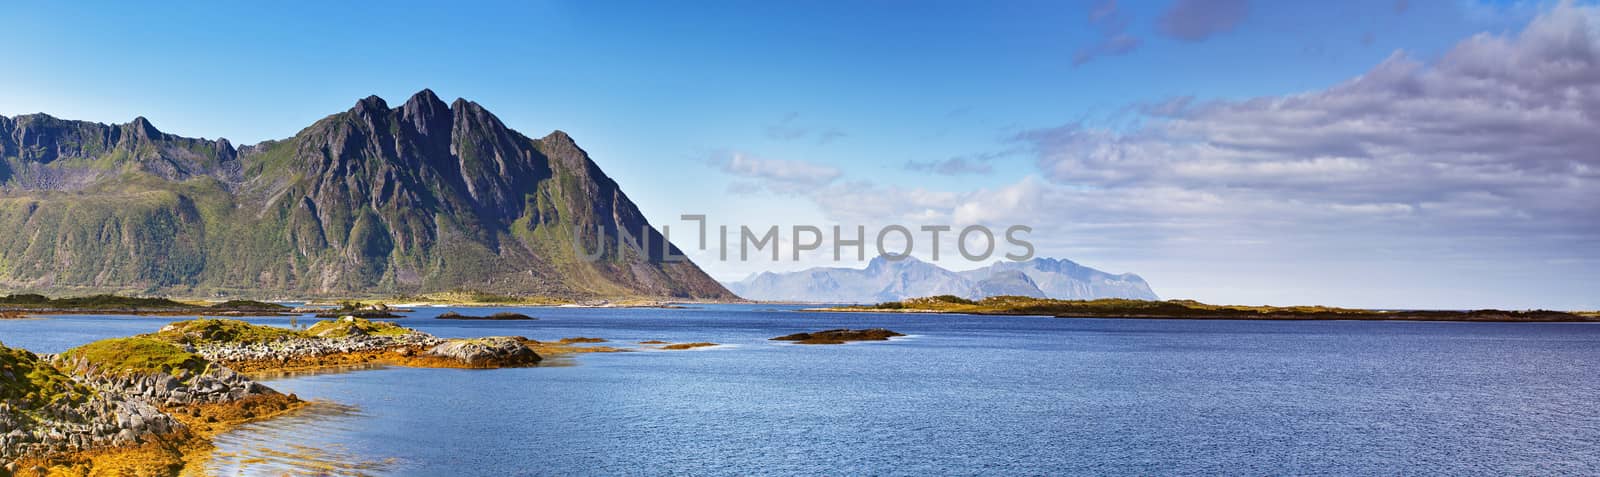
(494, 350)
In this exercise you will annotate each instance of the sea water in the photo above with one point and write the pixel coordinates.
(959, 395)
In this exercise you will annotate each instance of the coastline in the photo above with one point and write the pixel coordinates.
(1190, 310)
(195, 379)
(1585, 319)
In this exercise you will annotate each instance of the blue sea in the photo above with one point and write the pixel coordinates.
(961, 395)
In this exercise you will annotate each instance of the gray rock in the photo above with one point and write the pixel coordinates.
(500, 350)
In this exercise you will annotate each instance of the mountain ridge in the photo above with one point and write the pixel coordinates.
(423, 197)
(884, 280)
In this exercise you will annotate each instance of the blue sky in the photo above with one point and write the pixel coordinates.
(937, 112)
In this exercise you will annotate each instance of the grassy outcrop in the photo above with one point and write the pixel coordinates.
(137, 355)
(27, 382)
(56, 425)
(215, 330)
(352, 326)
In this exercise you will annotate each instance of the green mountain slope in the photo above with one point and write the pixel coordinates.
(425, 197)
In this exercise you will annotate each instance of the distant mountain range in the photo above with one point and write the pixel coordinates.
(420, 198)
(884, 280)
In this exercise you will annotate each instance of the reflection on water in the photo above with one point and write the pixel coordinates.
(273, 447)
(269, 375)
(280, 374)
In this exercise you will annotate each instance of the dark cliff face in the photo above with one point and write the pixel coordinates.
(420, 198)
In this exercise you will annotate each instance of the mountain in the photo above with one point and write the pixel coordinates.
(420, 198)
(1009, 282)
(1067, 280)
(884, 280)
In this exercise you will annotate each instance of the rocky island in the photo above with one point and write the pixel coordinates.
(683, 346)
(839, 336)
(504, 315)
(342, 342)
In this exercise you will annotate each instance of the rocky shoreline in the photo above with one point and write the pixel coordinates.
(44, 412)
(119, 407)
(149, 404)
(146, 404)
(343, 342)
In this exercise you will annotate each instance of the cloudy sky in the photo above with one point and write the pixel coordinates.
(1387, 153)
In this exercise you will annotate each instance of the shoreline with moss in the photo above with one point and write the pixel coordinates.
(121, 406)
(150, 404)
(1116, 308)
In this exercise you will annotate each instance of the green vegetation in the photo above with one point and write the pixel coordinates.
(137, 354)
(30, 383)
(28, 301)
(235, 305)
(118, 302)
(93, 302)
(952, 299)
(479, 298)
(25, 299)
(1125, 308)
(350, 326)
(211, 330)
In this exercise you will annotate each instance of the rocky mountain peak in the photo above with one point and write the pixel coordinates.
(143, 129)
(369, 106)
(225, 150)
(462, 106)
(559, 138)
(883, 262)
(426, 114)
(470, 116)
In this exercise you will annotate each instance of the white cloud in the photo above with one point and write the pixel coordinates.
(778, 175)
(1499, 128)
(1477, 171)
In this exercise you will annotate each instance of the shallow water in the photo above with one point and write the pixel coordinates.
(962, 395)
